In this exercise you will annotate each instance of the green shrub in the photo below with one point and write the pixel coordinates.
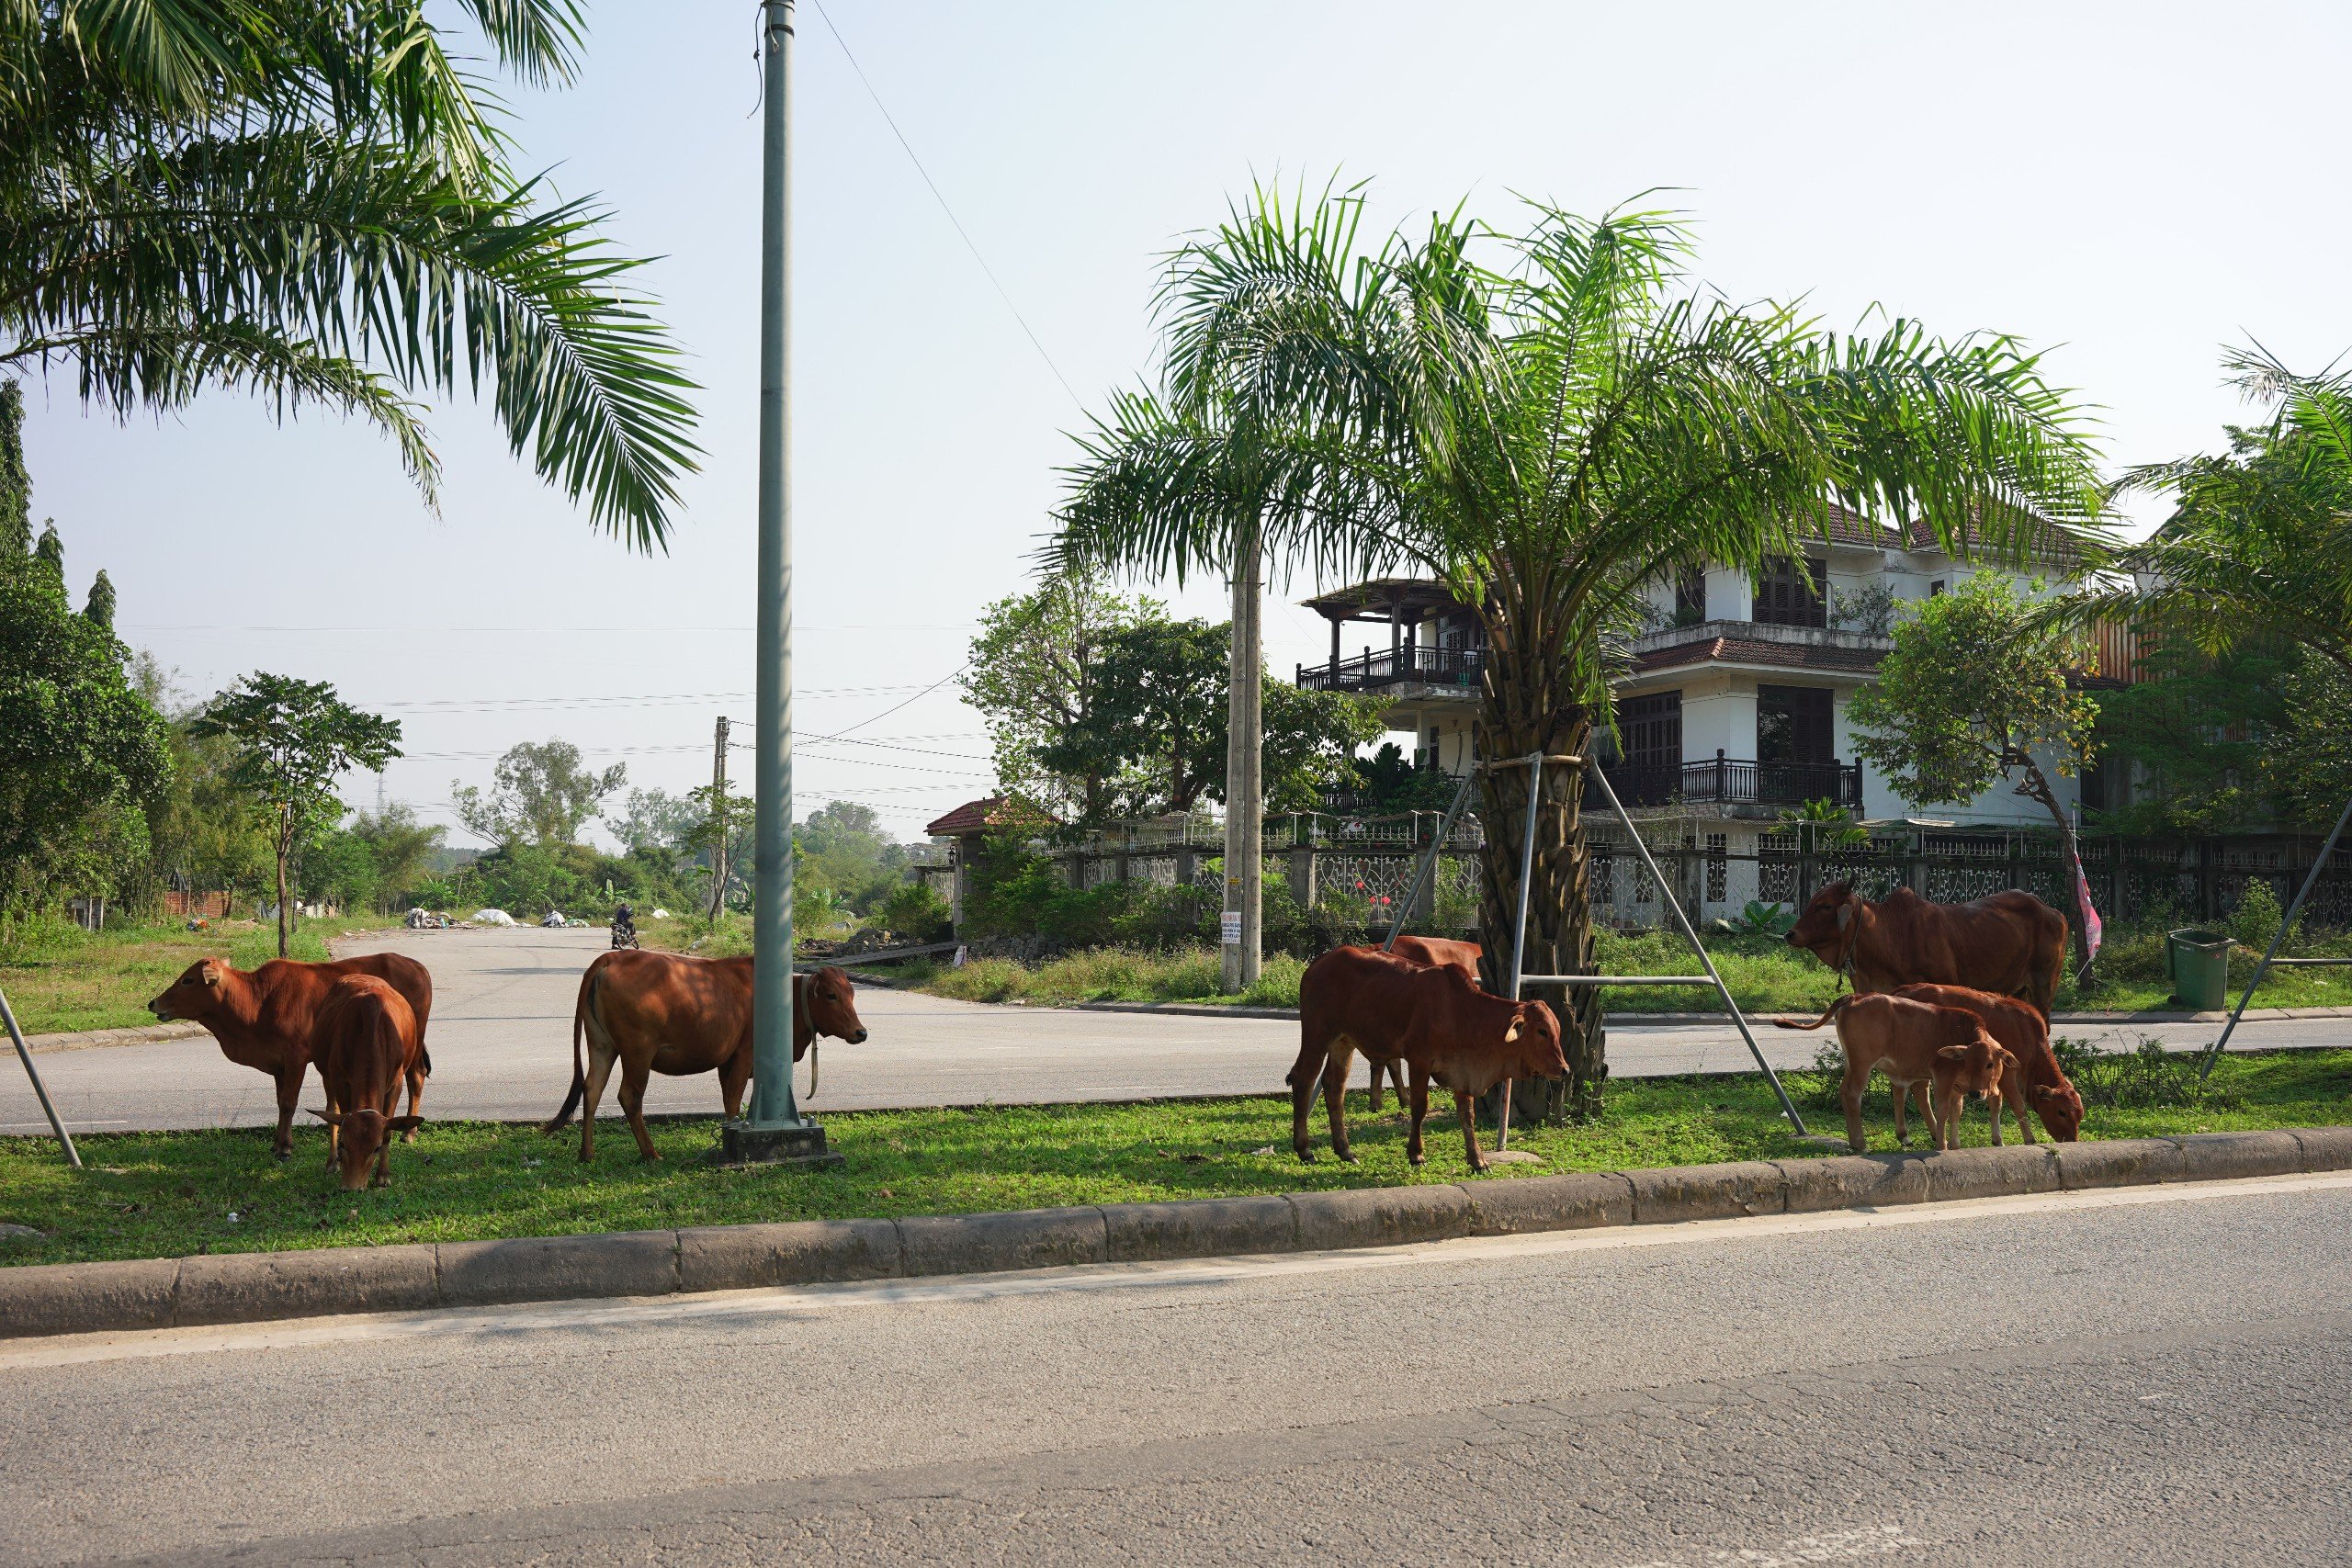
(917, 913)
(2147, 1078)
(2256, 921)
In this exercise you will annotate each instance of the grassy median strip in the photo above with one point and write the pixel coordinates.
(167, 1193)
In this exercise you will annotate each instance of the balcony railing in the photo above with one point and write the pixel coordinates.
(1396, 667)
(1728, 780)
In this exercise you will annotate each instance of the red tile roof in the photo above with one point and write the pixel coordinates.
(990, 811)
(1746, 650)
(1844, 527)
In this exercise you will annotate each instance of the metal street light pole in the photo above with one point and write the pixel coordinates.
(776, 1130)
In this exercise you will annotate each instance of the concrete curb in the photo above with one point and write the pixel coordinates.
(251, 1287)
(1210, 1009)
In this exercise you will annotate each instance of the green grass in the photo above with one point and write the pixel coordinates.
(60, 978)
(165, 1193)
(1764, 973)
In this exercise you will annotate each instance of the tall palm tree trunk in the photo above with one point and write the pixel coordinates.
(1523, 713)
(1244, 793)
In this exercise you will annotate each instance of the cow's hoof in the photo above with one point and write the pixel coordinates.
(286, 1154)
(1345, 1157)
(1418, 1160)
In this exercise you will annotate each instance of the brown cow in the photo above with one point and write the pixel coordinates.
(2010, 943)
(366, 1045)
(1356, 998)
(1433, 949)
(663, 1012)
(263, 1017)
(2040, 1081)
(1916, 1042)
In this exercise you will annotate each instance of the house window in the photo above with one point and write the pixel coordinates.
(1935, 588)
(1795, 724)
(1649, 729)
(1788, 593)
(1690, 595)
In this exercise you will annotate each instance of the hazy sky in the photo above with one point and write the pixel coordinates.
(2132, 186)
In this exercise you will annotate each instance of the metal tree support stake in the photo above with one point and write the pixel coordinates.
(2311, 879)
(1429, 861)
(1666, 891)
(776, 1130)
(25, 1055)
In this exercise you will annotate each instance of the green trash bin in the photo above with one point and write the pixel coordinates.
(2199, 964)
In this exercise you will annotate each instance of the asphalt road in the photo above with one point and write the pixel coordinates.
(500, 1037)
(2149, 1375)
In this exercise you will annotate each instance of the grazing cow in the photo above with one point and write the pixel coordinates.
(263, 1017)
(1915, 1042)
(1463, 955)
(2038, 1081)
(1357, 998)
(2010, 943)
(366, 1045)
(663, 1012)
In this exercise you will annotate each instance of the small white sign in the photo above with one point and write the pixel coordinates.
(1232, 927)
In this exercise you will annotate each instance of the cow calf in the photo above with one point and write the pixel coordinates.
(367, 1046)
(1915, 1042)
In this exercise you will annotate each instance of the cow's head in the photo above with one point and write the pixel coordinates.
(2060, 1106)
(360, 1135)
(195, 995)
(832, 1007)
(1977, 1066)
(1534, 1036)
(1828, 923)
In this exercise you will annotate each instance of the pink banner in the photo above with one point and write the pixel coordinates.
(2093, 927)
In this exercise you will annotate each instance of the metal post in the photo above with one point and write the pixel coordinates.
(774, 1130)
(1788, 1106)
(1429, 861)
(2311, 879)
(1533, 763)
(25, 1055)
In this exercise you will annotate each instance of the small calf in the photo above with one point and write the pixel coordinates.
(2037, 1080)
(367, 1047)
(1441, 1026)
(1914, 1043)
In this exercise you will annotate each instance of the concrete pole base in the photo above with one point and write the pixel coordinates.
(739, 1143)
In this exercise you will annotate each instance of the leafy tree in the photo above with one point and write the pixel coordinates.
(2258, 547)
(1156, 719)
(2213, 736)
(1978, 683)
(80, 746)
(400, 848)
(316, 203)
(654, 820)
(1310, 745)
(541, 795)
(293, 738)
(205, 831)
(1031, 676)
(843, 844)
(1544, 422)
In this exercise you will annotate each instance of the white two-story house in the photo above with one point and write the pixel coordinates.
(1735, 709)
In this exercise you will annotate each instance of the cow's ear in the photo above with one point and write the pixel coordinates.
(1844, 915)
(404, 1124)
(1510, 1035)
(210, 972)
(1952, 1053)
(332, 1118)
(2042, 1091)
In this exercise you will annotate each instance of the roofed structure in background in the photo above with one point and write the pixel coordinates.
(987, 813)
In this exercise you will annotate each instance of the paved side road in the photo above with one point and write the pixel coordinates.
(502, 1047)
(2088, 1378)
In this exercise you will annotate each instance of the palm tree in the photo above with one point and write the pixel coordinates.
(2258, 547)
(1545, 422)
(314, 203)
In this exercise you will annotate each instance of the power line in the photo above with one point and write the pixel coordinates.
(606, 629)
(889, 121)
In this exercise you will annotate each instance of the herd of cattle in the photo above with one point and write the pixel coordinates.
(1949, 1000)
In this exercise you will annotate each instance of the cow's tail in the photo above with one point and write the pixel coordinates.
(1836, 1008)
(424, 1061)
(579, 1010)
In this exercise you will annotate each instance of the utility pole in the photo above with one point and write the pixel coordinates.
(775, 1130)
(719, 819)
(1245, 794)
